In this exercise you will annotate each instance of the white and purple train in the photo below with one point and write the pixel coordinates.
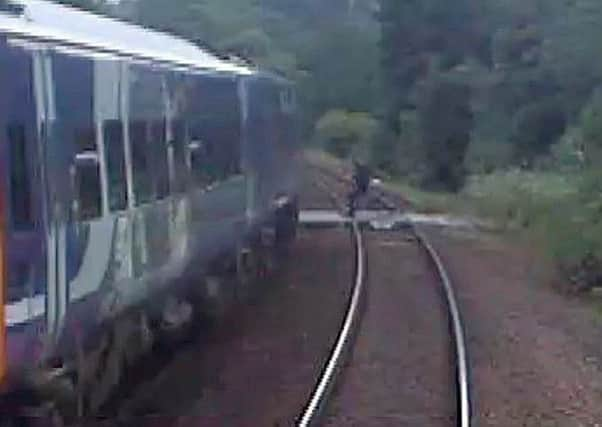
(133, 166)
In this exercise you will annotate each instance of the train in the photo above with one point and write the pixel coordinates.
(141, 177)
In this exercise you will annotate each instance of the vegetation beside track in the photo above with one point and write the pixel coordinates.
(556, 213)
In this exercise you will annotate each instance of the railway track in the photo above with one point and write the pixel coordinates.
(313, 413)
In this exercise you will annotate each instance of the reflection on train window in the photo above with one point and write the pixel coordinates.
(85, 139)
(140, 162)
(159, 150)
(203, 165)
(88, 186)
(198, 159)
(115, 158)
(19, 178)
(179, 143)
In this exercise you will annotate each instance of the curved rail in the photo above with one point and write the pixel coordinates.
(325, 385)
(461, 354)
(462, 378)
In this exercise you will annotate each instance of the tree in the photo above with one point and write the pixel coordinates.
(422, 38)
(445, 124)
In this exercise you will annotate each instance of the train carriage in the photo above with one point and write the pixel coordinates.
(131, 162)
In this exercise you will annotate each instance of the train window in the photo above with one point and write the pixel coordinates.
(159, 151)
(202, 164)
(19, 178)
(87, 177)
(115, 159)
(178, 144)
(140, 162)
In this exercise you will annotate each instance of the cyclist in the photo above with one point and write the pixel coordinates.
(361, 183)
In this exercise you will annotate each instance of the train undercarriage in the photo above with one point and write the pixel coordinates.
(89, 385)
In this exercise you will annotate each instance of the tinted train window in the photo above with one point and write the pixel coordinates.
(76, 128)
(139, 132)
(17, 108)
(158, 147)
(179, 143)
(87, 174)
(204, 168)
(19, 177)
(148, 134)
(88, 187)
(115, 156)
(215, 126)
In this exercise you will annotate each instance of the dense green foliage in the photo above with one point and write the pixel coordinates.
(532, 66)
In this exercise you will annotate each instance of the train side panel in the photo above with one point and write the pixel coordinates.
(122, 183)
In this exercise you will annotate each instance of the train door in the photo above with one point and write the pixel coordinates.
(259, 152)
(174, 91)
(249, 164)
(55, 193)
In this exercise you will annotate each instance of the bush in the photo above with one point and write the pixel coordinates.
(344, 133)
(562, 214)
(517, 198)
(536, 128)
(573, 231)
(590, 122)
(566, 153)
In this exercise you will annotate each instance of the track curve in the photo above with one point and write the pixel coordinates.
(321, 393)
(462, 372)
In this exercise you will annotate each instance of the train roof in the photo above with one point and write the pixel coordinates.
(48, 21)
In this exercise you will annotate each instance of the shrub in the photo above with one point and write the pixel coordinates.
(567, 153)
(562, 214)
(590, 122)
(536, 128)
(343, 133)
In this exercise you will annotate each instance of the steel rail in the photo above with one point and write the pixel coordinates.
(461, 352)
(323, 389)
(462, 374)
